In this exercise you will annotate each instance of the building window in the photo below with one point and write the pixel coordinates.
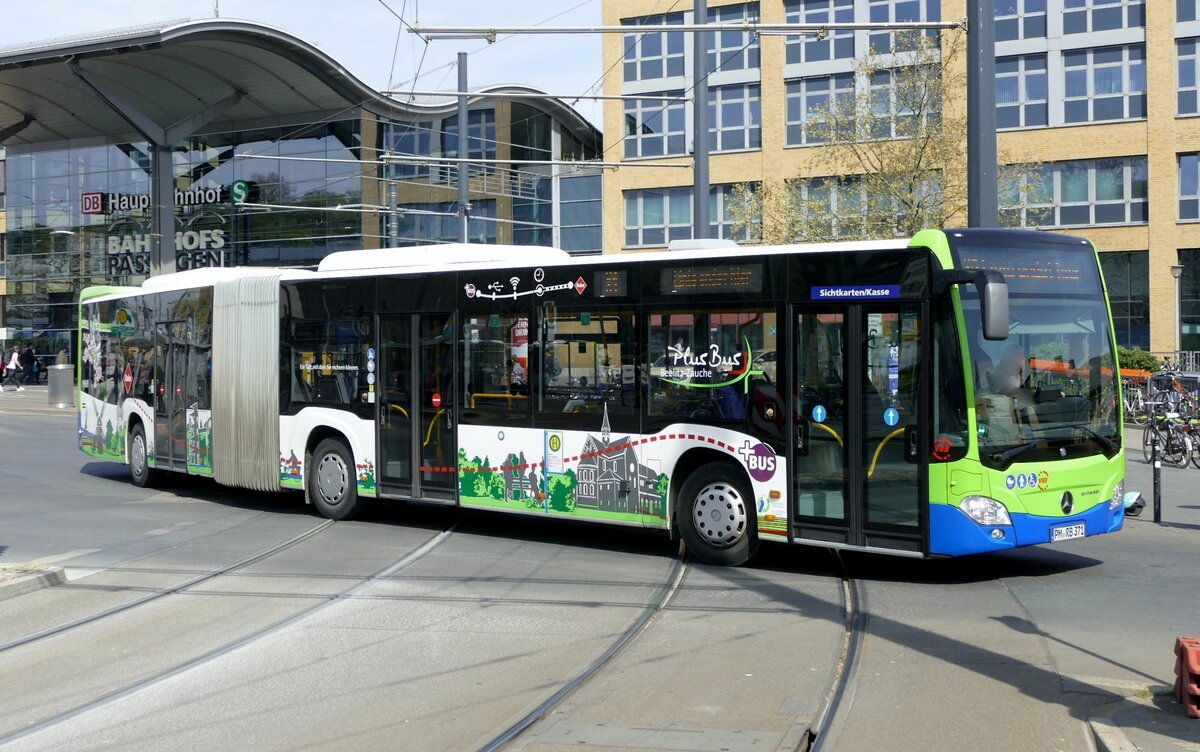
(580, 212)
(1101, 192)
(1105, 84)
(1127, 277)
(655, 217)
(653, 54)
(415, 139)
(735, 118)
(1021, 92)
(655, 127)
(1189, 299)
(1027, 198)
(423, 223)
(481, 140)
(1077, 194)
(838, 198)
(1189, 187)
(1187, 10)
(733, 50)
(807, 101)
(892, 95)
(721, 222)
(1083, 16)
(837, 45)
(1186, 80)
(901, 11)
(1020, 19)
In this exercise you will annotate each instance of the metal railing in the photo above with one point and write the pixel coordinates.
(1181, 360)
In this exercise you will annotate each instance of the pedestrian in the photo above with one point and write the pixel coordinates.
(11, 368)
(29, 365)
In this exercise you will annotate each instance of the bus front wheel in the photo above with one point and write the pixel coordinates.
(140, 471)
(717, 517)
(331, 484)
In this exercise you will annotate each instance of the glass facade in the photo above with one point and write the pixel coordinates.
(79, 214)
(1127, 276)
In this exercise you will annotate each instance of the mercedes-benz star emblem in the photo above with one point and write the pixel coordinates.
(1068, 502)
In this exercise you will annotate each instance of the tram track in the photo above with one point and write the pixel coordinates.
(323, 602)
(834, 702)
(822, 733)
(658, 603)
(163, 592)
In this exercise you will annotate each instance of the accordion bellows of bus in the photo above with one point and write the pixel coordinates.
(948, 395)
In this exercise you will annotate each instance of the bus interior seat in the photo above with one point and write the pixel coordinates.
(329, 390)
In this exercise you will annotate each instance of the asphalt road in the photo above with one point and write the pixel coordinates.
(488, 615)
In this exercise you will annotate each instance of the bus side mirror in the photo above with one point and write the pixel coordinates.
(993, 304)
(993, 297)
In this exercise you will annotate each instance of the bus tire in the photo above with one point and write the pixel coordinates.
(140, 471)
(717, 517)
(330, 481)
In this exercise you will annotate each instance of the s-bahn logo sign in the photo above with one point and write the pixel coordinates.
(109, 203)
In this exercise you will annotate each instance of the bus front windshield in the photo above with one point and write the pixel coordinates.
(1048, 391)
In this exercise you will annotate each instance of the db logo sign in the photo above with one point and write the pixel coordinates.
(91, 203)
(760, 460)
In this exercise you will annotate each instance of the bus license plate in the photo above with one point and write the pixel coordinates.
(1067, 532)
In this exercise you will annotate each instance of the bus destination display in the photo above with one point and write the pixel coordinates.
(611, 283)
(688, 280)
(1046, 269)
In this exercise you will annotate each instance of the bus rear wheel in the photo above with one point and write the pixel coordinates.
(717, 517)
(330, 482)
(140, 471)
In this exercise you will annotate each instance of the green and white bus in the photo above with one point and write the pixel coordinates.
(951, 395)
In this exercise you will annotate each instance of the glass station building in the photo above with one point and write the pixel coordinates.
(277, 157)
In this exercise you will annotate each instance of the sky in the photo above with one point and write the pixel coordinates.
(367, 38)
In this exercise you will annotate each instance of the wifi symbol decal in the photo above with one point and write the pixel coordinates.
(514, 282)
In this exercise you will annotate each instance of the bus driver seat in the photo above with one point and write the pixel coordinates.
(329, 390)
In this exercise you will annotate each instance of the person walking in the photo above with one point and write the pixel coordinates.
(29, 365)
(11, 369)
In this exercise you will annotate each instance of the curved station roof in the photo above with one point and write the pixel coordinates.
(245, 72)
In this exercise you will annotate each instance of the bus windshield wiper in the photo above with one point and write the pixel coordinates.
(1008, 454)
(1107, 443)
(1104, 441)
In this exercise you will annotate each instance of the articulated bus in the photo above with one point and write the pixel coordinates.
(951, 395)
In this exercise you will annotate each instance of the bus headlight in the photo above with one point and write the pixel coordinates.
(985, 511)
(1118, 496)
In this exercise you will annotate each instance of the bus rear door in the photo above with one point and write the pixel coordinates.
(171, 401)
(416, 406)
(861, 422)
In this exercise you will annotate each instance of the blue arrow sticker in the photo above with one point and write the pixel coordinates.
(818, 414)
(891, 416)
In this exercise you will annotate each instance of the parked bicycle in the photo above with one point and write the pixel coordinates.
(1174, 441)
(1133, 399)
(1167, 390)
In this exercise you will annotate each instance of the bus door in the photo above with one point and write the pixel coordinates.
(859, 401)
(418, 454)
(170, 405)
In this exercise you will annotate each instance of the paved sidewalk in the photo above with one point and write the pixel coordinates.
(35, 398)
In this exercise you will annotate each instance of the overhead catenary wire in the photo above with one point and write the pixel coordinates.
(410, 159)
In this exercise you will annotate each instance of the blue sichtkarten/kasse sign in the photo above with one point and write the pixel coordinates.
(855, 292)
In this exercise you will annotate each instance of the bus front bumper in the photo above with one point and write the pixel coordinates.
(953, 533)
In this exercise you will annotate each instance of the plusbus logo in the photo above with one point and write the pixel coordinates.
(686, 367)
